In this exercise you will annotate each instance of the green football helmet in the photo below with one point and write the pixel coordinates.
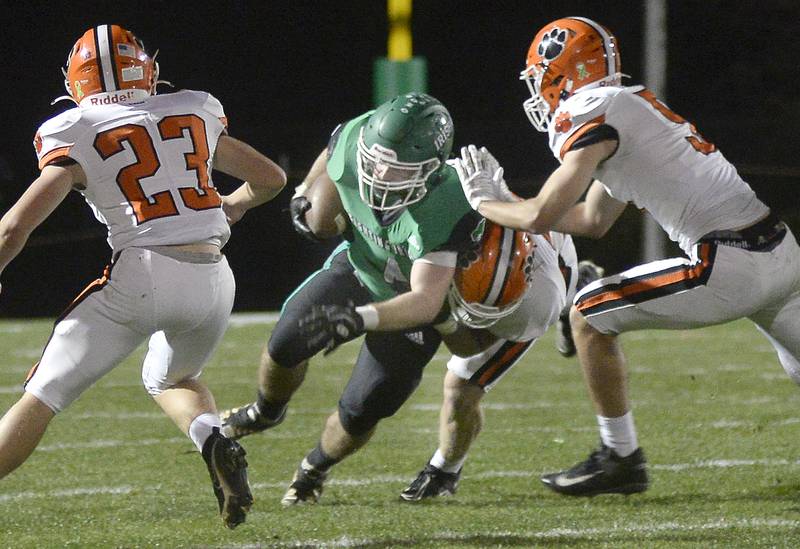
(401, 147)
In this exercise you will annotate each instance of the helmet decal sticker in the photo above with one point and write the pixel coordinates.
(552, 44)
(445, 131)
(132, 73)
(126, 50)
(563, 122)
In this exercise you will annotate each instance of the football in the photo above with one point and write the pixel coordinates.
(327, 217)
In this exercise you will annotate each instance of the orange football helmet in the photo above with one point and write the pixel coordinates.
(109, 60)
(492, 279)
(565, 56)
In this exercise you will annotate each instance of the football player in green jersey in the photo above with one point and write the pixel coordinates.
(389, 279)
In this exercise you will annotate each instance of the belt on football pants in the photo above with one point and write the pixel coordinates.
(762, 236)
(186, 256)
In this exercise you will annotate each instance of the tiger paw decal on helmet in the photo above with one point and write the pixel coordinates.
(566, 56)
(552, 44)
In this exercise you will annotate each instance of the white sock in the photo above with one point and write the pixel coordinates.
(201, 428)
(619, 433)
(439, 462)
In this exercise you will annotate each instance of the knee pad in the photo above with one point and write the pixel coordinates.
(286, 348)
(356, 422)
(360, 419)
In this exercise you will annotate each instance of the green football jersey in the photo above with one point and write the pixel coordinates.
(382, 253)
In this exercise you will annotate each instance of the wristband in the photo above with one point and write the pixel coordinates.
(369, 314)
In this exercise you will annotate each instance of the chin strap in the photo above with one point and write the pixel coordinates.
(167, 82)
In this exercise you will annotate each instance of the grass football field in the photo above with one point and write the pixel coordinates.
(717, 417)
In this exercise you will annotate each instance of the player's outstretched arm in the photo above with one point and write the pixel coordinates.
(34, 206)
(263, 179)
(559, 193)
(592, 217)
(420, 305)
(328, 326)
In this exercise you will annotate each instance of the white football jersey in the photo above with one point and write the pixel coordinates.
(661, 164)
(147, 165)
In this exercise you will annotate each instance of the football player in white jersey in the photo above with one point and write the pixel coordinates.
(504, 296)
(143, 163)
(620, 144)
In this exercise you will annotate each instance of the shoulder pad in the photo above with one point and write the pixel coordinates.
(578, 114)
(60, 122)
(56, 136)
(337, 131)
(337, 158)
(579, 109)
(197, 99)
(213, 106)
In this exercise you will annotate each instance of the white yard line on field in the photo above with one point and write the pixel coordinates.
(647, 530)
(738, 423)
(114, 490)
(248, 319)
(106, 443)
(357, 482)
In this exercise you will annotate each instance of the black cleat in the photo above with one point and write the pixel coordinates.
(603, 473)
(246, 420)
(306, 486)
(228, 469)
(587, 272)
(430, 483)
(564, 342)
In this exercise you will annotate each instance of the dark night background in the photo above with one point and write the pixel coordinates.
(288, 71)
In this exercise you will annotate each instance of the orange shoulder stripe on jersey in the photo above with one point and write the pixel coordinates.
(60, 152)
(578, 133)
(693, 272)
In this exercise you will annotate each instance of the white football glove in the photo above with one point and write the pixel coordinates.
(493, 167)
(481, 177)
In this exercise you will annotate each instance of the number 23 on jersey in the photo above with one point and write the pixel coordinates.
(160, 204)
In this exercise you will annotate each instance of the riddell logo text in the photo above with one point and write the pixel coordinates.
(111, 99)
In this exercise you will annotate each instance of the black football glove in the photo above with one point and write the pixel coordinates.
(298, 207)
(328, 326)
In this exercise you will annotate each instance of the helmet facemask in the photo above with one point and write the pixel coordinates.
(477, 315)
(536, 108)
(386, 183)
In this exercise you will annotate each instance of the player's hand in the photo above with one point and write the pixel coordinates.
(493, 167)
(298, 207)
(479, 181)
(233, 212)
(328, 326)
